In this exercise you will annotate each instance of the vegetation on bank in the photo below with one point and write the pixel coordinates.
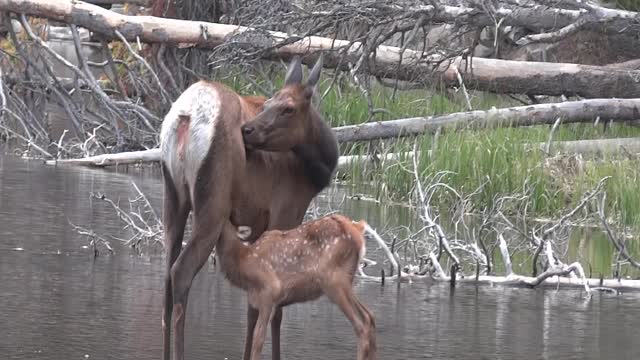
(493, 157)
(496, 158)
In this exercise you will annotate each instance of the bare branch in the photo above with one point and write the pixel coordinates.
(618, 244)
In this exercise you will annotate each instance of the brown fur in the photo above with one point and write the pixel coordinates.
(255, 188)
(286, 267)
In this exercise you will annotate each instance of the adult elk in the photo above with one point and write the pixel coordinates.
(287, 267)
(237, 160)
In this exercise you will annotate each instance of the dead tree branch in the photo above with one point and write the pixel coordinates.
(618, 243)
(569, 112)
(141, 220)
(388, 61)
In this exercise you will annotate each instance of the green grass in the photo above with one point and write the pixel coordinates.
(631, 5)
(498, 159)
(495, 157)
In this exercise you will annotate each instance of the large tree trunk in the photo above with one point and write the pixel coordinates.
(532, 16)
(501, 76)
(568, 112)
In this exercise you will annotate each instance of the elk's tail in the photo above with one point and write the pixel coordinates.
(361, 228)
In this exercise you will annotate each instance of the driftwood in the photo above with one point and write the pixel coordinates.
(104, 160)
(596, 147)
(153, 156)
(500, 76)
(568, 112)
(544, 280)
(112, 2)
(534, 15)
(549, 280)
(587, 148)
(471, 254)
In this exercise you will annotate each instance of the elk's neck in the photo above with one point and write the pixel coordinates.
(319, 155)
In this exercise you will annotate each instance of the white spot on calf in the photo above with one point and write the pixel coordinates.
(244, 232)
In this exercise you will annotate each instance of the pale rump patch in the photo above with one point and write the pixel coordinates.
(188, 130)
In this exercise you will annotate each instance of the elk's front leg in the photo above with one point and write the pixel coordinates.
(252, 318)
(211, 213)
(276, 321)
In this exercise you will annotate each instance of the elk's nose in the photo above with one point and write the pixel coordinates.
(246, 130)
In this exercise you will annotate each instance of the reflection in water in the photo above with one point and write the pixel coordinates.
(57, 302)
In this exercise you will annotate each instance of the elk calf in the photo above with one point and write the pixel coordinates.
(286, 267)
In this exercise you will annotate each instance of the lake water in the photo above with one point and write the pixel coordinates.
(58, 302)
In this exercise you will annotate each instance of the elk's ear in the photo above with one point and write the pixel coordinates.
(294, 74)
(314, 75)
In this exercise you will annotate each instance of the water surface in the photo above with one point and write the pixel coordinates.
(58, 302)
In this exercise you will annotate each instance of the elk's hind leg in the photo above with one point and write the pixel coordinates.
(211, 210)
(276, 321)
(174, 219)
(342, 295)
(365, 313)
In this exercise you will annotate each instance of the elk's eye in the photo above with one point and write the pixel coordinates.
(287, 111)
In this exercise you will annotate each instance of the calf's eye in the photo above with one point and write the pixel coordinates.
(287, 111)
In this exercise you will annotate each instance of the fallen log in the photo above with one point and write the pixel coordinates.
(587, 148)
(500, 76)
(595, 148)
(113, 2)
(519, 281)
(536, 17)
(568, 112)
(103, 160)
(153, 156)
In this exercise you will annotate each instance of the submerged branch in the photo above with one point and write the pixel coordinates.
(574, 268)
(617, 243)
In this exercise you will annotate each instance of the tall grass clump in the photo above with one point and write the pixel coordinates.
(623, 188)
(493, 161)
(497, 159)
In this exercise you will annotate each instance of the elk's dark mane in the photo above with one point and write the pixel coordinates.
(320, 155)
